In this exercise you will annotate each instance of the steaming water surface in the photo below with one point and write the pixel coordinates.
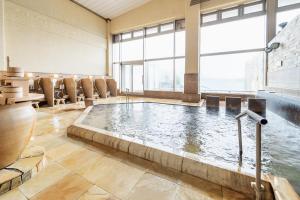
(210, 134)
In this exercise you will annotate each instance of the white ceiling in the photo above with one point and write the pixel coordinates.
(111, 8)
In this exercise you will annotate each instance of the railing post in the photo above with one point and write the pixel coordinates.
(258, 187)
(259, 122)
(240, 142)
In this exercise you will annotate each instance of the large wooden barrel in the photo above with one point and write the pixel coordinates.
(70, 85)
(48, 89)
(101, 87)
(16, 126)
(87, 87)
(112, 87)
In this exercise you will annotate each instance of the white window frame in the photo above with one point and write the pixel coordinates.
(177, 27)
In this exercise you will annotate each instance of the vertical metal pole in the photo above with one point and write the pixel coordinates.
(258, 162)
(240, 142)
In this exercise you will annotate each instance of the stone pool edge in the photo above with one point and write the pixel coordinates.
(185, 163)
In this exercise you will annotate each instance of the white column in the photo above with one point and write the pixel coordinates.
(192, 26)
(271, 19)
(192, 38)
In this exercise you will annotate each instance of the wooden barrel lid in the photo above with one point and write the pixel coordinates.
(15, 70)
(11, 89)
(14, 74)
(13, 94)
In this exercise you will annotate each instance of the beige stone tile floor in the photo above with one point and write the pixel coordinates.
(77, 170)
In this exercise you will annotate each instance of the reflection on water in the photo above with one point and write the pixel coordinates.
(211, 134)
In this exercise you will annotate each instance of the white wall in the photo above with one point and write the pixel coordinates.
(55, 36)
(151, 13)
(2, 47)
(159, 11)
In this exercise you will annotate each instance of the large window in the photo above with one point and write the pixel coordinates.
(233, 36)
(179, 74)
(232, 72)
(282, 3)
(180, 43)
(161, 46)
(161, 50)
(232, 49)
(132, 50)
(159, 75)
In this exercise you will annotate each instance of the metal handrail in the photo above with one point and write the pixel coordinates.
(259, 122)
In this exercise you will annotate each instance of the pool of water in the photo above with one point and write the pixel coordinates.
(210, 134)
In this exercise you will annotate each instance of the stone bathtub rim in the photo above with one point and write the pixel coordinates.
(133, 146)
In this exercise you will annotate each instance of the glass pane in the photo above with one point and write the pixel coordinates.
(235, 35)
(286, 16)
(230, 13)
(159, 75)
(116, 38)
(179, 74)
(282, 3)
(160, 46)
(180, 43)
(209, 18)
(151, 30)
(232, 72)
(167, 27)
(126, 36)
(116, 52)
(132, 50)
(116, 73)
(138, 75)
(253, 8)
(138, 33)
(126, 77)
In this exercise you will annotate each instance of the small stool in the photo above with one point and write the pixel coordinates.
(257, 105)
(233, 103)
(35, 104)
(10, 101)
(60, 101)
(212, 101)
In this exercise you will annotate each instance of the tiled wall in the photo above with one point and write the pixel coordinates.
(2, 47)
(284, 62)
(48, 36)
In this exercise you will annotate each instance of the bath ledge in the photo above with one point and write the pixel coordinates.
(282, 188)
